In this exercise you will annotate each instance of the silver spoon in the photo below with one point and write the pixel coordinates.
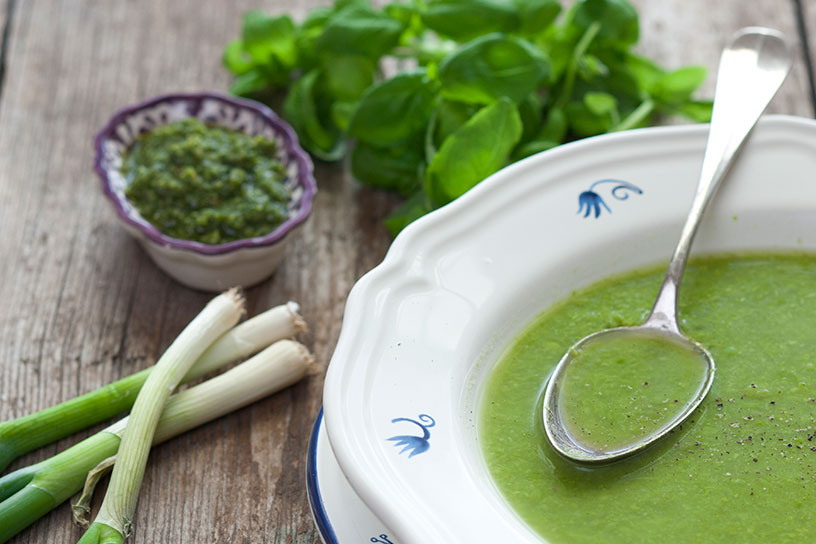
(752, 68)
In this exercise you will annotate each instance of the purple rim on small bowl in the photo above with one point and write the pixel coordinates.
(194, 102)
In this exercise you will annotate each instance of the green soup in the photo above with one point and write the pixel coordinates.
(741, 469)
(623, 387)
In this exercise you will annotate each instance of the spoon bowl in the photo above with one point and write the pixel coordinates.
(572, 439)
(752, 68)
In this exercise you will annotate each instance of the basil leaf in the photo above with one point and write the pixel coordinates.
(696, 110)
(555, 128)
(393, 168)
(584, 122)
(404, 13)
(536, 15)
(617, 20)
(601, 103)
(358, 30)
(265, 37)
(491, 67)
(533, 147)
(348, 76)
(530, 109)
(300, 109)
(676, 87)
(393, 110)
(643, 70)
(251, 82)
(449, 117)
(479, 148)
(464, 20)
(410, 210)
(341, 113)
(307, 34)
(236, 59)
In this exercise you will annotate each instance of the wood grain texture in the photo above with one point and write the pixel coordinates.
(84, 305)
(681, 32)
(6, 7)
(807, 13)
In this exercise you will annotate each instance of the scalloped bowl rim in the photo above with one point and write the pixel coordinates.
(305, 175)
(360, 451)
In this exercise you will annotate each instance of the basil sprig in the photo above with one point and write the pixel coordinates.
(478, 84)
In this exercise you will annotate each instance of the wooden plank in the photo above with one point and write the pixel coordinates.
(807, 14)
(681, 32)
(6, 7)
(84, 305)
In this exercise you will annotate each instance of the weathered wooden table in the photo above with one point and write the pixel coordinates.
(84, 305)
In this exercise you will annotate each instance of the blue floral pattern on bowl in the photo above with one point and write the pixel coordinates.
(414, 444)
(591, 203)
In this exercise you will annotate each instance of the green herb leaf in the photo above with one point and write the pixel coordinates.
(265, 37)
(301, 110)
(530, 109)
(555, 128)
(536, 15)
(341, 113)
(479, 148)
(533, 147)
(464, 20)
(449, 117)
(393, 168)
(393, 110)
(676, 87)
(585, 122)
(236, 59)
(410, 210)
(491, 67)
(617, 19)
(307, 34)
(643, 70)
(358, 30)
(696, 110)
(348, 76)
(251, 82)
(601, 103)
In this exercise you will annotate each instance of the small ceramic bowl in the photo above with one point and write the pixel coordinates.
(208, 267)
(423, 331)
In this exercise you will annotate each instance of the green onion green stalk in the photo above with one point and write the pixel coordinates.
(31, 492)
(27, 433)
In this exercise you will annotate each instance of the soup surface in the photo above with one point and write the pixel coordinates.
(741, 469)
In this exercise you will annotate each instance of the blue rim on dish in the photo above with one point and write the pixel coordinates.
(324, 526)
(292, 147)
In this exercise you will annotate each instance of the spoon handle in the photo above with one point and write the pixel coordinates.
(752, 68)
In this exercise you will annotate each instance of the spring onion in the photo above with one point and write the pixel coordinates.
(24, 434)
(113, 522)
(30, 492)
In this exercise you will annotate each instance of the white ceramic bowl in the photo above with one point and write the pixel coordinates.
(423, 329)
(202, 266)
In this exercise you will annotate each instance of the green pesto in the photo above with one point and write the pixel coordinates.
(206, 183)
(622, 387)
(741, 469)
